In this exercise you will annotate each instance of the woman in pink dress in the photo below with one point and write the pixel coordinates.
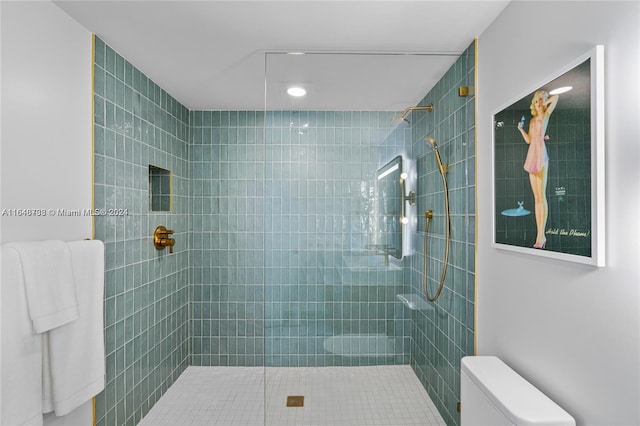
(537, 161)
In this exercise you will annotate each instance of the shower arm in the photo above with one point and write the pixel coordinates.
(413, 108)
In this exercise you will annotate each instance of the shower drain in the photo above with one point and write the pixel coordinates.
(295, 401)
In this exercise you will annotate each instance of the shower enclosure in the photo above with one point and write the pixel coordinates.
(278, 261)
(286, 264)
(333, 296)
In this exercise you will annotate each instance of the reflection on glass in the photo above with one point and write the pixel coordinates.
(388, 235)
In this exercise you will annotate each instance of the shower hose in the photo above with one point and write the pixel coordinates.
(428, 216)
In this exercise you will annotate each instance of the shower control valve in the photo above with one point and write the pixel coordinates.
(161, 238)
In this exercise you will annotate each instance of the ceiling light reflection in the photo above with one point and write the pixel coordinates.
(560, 90)
(296, 91)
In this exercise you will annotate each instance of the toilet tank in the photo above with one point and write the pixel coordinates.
(492, 394)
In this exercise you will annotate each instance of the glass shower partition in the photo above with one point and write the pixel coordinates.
(330, 288)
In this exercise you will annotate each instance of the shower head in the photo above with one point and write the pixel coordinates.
(432, 141)
(402, 120)
(443, 168)
(402, 116)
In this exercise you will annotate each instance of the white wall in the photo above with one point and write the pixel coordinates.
(571, 329)
(45, 151)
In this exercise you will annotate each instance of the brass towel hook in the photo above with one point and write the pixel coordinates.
(161, 238)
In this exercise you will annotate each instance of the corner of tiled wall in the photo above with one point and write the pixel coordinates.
(443, 334)
(137, 124)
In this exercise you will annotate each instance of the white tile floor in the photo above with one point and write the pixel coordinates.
(333, 396)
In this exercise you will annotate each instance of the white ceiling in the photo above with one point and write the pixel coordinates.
(215, 54)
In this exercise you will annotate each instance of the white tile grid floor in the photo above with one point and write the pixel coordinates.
(333, 396)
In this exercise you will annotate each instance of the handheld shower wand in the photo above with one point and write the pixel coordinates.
(443, 168)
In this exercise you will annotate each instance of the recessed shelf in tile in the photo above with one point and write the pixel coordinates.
(159, 189)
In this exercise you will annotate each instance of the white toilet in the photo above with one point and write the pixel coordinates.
(492, 394)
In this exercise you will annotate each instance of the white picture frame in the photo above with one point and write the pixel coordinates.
(548, 178)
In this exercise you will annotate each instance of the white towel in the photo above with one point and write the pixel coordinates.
(48, 278)
(21, 349)
(75, 351)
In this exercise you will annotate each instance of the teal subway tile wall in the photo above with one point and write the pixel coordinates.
(323, 307)
(444, 333)
(278, 201)
(227, 238)
(137, 124)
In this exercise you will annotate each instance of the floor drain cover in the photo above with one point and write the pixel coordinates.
(295, 401)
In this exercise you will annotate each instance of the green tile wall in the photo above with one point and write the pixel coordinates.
(227, 238)
(278, 199)
(320, 280)
(443, 334)
(146, 291)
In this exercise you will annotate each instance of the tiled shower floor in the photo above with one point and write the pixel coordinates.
(333, 396)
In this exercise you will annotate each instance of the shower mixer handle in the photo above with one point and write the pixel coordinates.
(161, 238)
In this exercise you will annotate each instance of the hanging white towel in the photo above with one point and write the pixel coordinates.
(21, 349)
(75, 351)
(48, 278)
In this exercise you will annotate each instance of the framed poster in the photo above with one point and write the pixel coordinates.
(548, 166)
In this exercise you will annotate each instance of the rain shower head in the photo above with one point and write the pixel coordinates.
(402, 116)
(401, 119)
